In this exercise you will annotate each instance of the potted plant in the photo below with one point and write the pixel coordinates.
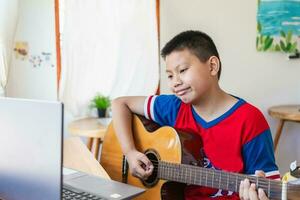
(100, 102)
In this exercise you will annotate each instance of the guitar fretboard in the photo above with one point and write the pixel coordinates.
(215, 178)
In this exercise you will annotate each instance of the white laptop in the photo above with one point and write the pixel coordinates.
(31, 138)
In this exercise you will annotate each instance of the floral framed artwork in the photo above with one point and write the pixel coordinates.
(278, 26)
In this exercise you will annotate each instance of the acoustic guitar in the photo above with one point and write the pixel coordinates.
(175, 165)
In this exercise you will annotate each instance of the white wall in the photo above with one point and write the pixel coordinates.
(263, 79)
(8, 21)
(36, 27)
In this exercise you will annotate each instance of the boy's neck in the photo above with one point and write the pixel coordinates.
(214, 104)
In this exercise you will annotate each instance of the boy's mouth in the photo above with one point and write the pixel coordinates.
(182, 92)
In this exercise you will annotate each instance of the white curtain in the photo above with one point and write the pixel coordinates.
(8, 23)
(108, 46)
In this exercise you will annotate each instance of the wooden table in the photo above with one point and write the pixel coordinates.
(89, 127)
(284, 113)
(77, 156)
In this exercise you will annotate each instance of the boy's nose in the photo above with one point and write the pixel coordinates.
(176, 81)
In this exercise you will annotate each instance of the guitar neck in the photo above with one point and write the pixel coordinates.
(215, 178)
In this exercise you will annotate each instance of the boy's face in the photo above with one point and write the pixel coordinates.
(189, 78)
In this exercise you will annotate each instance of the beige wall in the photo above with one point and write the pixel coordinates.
(263, 79)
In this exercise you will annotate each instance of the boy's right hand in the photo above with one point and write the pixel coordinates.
(139, 164)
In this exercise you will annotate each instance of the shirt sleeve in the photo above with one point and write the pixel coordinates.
(258, 154)
(257, 150)
(162, 109)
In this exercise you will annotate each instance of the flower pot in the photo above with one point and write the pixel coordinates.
(101, 112)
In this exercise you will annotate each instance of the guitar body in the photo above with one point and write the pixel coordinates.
(164, 144)
(172, 153)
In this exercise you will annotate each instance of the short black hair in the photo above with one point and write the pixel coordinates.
(197, 42)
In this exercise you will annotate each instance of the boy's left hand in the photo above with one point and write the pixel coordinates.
(248, 191)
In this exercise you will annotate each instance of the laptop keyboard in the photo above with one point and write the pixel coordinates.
(72, 194)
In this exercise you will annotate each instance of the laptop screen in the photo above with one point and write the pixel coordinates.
(30, 149)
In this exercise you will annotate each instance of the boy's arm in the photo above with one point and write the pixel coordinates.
(122, 109)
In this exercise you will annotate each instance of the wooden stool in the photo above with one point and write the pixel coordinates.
(92, 129)
(284, 113)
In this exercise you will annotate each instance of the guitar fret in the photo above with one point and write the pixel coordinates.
(195, 177)
(203, 178)
(200, 178)
(189, 175)
(206, 178)
(178, 173)
(223, 182)
(227, 186)
(220, 177)
(236, 183)
(214, 178)
(172, 173)
(167, 171)
(232, 184)
(180, 176)
(183, 174)
(269, 183)
(162, 170)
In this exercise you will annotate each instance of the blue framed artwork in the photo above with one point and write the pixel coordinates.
(278, 25)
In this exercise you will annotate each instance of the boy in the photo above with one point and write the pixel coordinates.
(236, 136)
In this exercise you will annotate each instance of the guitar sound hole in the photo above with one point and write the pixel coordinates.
(153, 179)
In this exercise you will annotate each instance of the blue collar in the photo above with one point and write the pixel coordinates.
(209, 124)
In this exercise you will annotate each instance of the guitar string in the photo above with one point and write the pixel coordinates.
(209, 183)
(262, 182)
(211, 172)
(272, 193)
(277, 186)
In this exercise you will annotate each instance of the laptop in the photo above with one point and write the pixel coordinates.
(31, 138)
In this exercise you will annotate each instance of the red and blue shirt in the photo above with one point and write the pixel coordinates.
(237, 141)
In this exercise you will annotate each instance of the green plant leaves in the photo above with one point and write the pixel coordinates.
(100, 102)
(267, 42)
(289, 37)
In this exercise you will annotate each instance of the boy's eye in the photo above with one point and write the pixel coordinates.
(170, 76)
(183, 70)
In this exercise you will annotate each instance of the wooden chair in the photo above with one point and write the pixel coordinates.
(284, 113)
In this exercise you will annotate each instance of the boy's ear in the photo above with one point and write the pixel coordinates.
(214, 65)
